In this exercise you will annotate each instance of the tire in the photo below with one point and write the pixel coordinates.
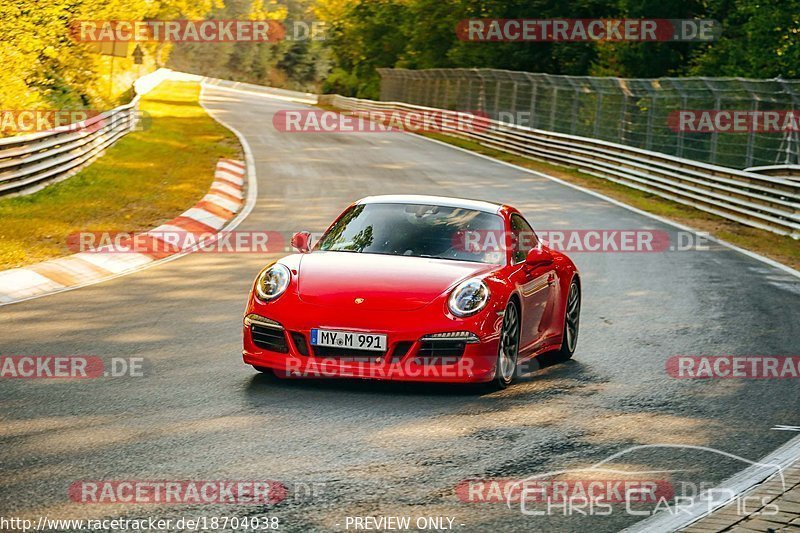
(508, 351)
(572, 319)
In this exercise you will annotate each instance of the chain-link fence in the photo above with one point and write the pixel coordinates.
(635, 112)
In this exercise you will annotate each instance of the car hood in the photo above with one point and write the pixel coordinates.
(384, 282)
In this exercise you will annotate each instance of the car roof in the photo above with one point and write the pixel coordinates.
(444, 201)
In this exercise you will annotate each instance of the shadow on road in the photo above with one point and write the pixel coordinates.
(260, 383)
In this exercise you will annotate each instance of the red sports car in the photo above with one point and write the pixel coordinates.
(415, 288)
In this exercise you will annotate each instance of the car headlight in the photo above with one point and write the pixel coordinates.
(272, 281)
(468, 297)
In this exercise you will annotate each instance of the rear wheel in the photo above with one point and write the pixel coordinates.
(572, 319)
(508, 350)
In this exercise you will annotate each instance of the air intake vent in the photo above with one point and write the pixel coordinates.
(269, 338)
(440, 352)
(300, 342)
(400, 350)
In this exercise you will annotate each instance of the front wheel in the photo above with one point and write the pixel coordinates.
(572, 319)
(509, 349)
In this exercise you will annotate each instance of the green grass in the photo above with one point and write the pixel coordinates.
(145, 179)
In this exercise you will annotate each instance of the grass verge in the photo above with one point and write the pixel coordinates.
(147, 178)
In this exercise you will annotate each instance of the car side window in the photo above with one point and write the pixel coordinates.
(524, 239)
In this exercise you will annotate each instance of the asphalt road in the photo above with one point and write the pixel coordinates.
(390, 449)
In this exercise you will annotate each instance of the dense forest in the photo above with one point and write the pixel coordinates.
(45, 68)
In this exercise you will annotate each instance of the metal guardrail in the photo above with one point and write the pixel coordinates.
(791, 172)
(767, 202)
(30, 162)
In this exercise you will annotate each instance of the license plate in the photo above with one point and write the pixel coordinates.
(348, 339)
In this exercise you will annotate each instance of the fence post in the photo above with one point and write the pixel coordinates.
(684, 104)
(497, 87)
(514, 101)
(481, 93)
(598, 113)
(648, 142)
(715, 133)
(751, 138)
(534, 95)
(792, 137)
(575, 97)
(622, 112)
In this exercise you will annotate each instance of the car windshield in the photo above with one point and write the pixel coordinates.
(415, 230)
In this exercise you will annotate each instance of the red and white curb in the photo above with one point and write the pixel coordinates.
(213, 212)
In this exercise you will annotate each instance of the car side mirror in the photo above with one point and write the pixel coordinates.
(538, 257)
(301, 241)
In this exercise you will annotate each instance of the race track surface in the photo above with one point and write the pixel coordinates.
(390, 449)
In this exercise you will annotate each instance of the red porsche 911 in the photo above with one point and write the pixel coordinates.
(414, 288)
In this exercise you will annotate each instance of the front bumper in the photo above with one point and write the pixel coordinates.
(409, 357)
